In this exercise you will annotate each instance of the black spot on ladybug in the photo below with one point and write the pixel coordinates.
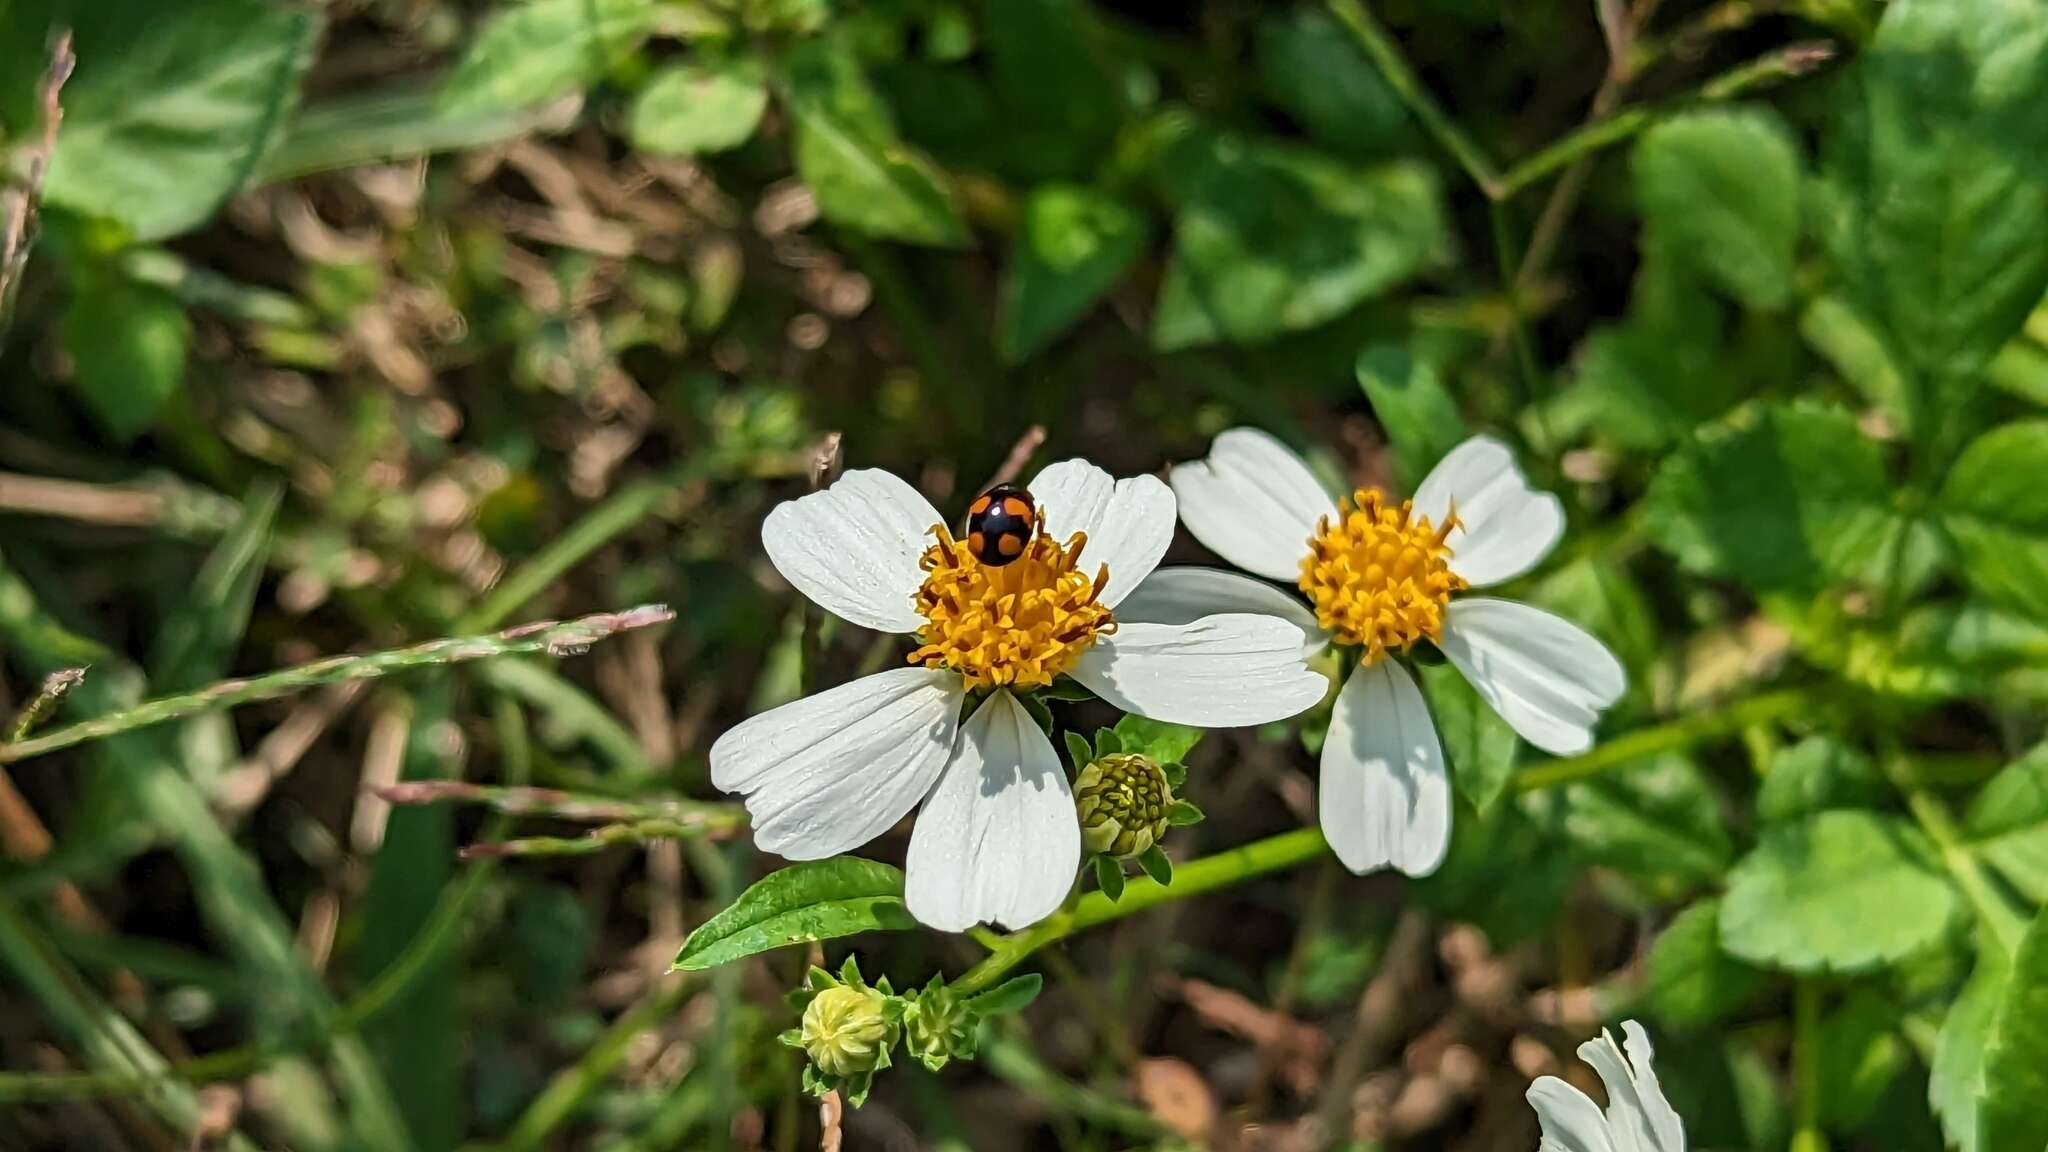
(1000, 523)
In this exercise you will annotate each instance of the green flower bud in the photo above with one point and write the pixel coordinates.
(1123, 800)
(937, 1027)
(846, 1031)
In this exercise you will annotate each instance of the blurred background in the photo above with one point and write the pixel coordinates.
(347, 326)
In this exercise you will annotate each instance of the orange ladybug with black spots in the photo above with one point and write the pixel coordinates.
(1000, 523)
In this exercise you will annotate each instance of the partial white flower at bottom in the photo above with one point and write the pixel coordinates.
(998, 838)
(1638, 1118)
(1380, 575)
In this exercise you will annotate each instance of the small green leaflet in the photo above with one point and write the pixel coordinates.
(2012, 1117)
(1012, 995)
(817, 900)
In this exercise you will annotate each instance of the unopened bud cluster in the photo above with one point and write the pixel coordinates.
(1123, 800)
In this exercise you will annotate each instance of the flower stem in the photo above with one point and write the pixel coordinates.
(1386, 56)
(1291, 849)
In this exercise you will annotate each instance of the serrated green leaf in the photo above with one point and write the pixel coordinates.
(1722, 186)
(1073, 245)
(1996, 508)
(540, 50)
(803, 903)
(1937, 178)
(1183, 814)
(1078, 750)
(127, 343)
(1109, 876)
(1410, 401)
(697, 107)
(1271, 238)
(1011, 996)
(1861, 1054)
(2007, 823)
(1844, 891)
(847, 150)
(1777, 497)
(1817, 774)
(1480, 746)
(1689, 979)
(172, 106)
(2011, 1118)
(1163, 743)
(1955, 1078)
(1156, 864)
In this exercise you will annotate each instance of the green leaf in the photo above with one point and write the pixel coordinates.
(1109, 876)
(1845, 891)
(1184, 814)
(171, 107)
(1156, 864)
(1271, 238)
(2007, 823)
(1412, 404)
(1163, 743)
(127, 343)
(1817, 774)
(2012, 1118)
(1777, 497)
(864, 176)
(1861, 1055)
(1482, 749)
(1107, 743)
(699, 107)
(1937, 177)
(1995, 506)
(1955, 1078)
(1011, 996)
(1657, 820)
(1078, 750)
(1846, 339)
(1690, 980)
(1314, 69)
(1723, 188)
(1073, 245)
(817, 900)
(534, 52)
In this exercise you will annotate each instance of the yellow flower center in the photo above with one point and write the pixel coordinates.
(1019, 625)
(1380, 576)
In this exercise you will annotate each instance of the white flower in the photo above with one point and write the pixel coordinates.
(1381, 576)
(1638, 1118)
(998, 838)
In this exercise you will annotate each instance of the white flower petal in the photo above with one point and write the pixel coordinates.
(1218, 672)
(1544, 675)
(1129, 522)
(1508, 526)
(1625, 1119)
(998, 840)
(1571, 1121)
(1383, 794)
(853, 548)
(1665, 1126)
(1185, 595)
(1252, 502)
(830, 772)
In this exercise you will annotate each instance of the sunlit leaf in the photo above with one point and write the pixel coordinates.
(1995, 505)
(2011, 1118)
(2007, 823)
(816, 900)
(1690, 980)
(1817, 774)
(699, 107)
(1723, 188)
(533, 52)
(1073, 245)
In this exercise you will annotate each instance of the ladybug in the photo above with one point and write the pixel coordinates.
(1000, 523)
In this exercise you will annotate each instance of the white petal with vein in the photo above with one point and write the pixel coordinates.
(1546, 676)
(1129, 522)
(1217, 672)
(1508, 527)
(1252, 502)
(1383, 794)
(853, 548)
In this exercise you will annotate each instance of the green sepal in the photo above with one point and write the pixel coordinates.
(1182, 813)
(1077, 749)
(1038, 711)
(1109, 876)
(1011, 996)
(1153, 860)
(1176, 774)
(1107, 743)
